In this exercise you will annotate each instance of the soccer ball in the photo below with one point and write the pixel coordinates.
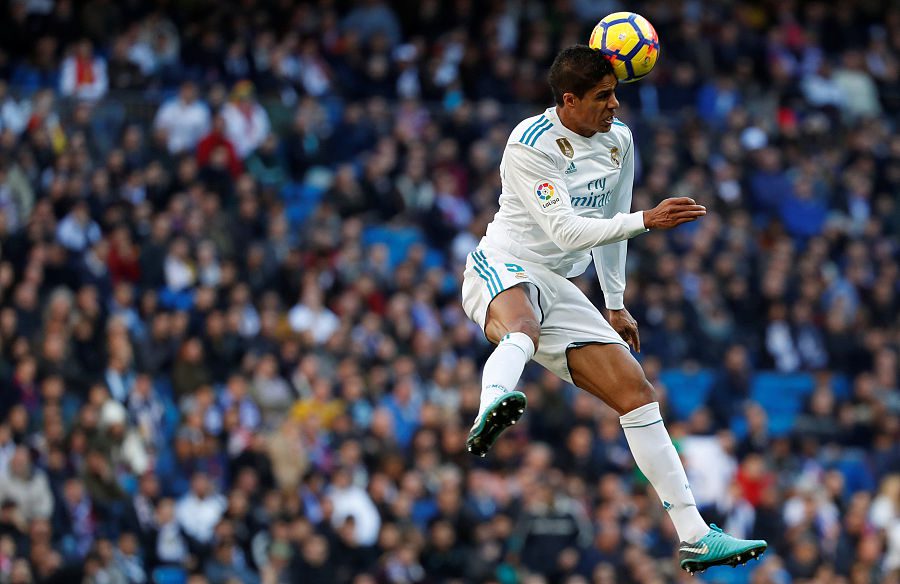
(629, 41)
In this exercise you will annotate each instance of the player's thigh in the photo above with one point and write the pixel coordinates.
(570, 320)
(512, 311)
(500, 296)
(611, 373)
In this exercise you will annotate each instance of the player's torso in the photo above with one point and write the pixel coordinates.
(591, 173)
(590, 166)
(590, 169)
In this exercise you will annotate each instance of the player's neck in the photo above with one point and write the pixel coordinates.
(570, 124)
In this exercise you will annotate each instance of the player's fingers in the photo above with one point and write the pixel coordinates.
(679, 219)
(689, 209)
(689, 214)
(631, 338)
(637, 340)
(683, 200)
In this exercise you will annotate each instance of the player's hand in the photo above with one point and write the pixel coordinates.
(673, 212)
(624, 324)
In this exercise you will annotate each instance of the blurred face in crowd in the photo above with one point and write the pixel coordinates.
(188, 93)
(84, 50)
(20, 464)
(200, 485)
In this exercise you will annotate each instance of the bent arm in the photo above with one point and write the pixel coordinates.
(534, 178)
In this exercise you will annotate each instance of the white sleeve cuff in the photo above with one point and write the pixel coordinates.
(615, 301)
(634, 223)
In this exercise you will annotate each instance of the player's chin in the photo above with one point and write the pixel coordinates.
(604, 127)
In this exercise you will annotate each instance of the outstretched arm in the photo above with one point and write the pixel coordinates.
(539, 184)
(534, 178)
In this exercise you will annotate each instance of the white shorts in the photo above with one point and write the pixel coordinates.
(568, 319)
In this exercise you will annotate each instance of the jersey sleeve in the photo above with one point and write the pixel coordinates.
(532, 176)
(609, 260)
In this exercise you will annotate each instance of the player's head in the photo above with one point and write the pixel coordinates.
(583, 85)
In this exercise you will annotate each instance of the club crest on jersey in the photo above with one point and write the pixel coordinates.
(615, 157)
(565, 147)
(546, 192)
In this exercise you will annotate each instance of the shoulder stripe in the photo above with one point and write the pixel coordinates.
(617, 123)
(533, 140)
(527, 139)
(537, 123)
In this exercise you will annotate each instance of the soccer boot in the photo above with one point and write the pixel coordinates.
(717, 548)
(502, 413)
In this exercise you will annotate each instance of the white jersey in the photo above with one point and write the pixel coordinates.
(566, 198)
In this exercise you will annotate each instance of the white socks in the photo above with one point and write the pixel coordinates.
(504, 367)
(656, 457)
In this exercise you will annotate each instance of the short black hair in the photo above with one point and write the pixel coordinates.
(577, 69)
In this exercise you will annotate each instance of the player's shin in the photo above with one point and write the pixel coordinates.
(656, 457)
(504, 367)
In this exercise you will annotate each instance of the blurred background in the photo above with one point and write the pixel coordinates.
(232, 235)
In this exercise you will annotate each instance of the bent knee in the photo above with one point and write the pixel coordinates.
(528, 326)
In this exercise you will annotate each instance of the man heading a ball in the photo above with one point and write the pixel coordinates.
(567, 179)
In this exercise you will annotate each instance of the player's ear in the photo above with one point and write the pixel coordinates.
(570, 99)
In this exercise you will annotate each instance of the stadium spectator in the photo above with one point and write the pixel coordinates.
(200, 509)
(78, 231)
(83, 74)
(27, 487)
(246, 122)
(185, 119)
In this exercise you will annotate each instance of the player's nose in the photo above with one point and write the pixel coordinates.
(613, 102)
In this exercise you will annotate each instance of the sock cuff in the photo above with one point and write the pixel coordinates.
(520, 340)
(642, 416)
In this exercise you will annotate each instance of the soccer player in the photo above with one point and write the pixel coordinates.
(566, 178)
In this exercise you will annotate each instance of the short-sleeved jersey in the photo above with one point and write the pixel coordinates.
(566, 197)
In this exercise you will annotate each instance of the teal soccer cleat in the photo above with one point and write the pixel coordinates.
(717, 548)
(497, 417)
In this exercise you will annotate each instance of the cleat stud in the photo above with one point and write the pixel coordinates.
(521, 411)
(513, 421)
(503, 404)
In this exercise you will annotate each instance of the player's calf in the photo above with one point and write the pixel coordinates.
(501, 405)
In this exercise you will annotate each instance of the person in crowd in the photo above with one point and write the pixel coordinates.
(236, 348)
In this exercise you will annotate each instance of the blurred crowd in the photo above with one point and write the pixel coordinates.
(231, 242)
